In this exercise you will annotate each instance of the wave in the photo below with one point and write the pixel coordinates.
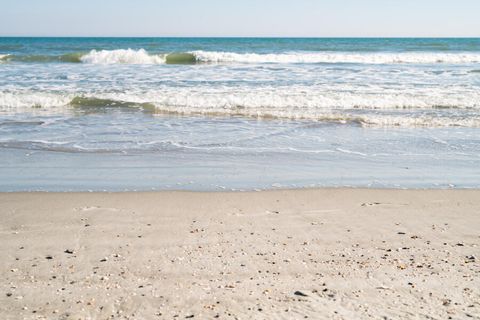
(181, 58)
(92, 104)
(348, 116)
(129, 56)
(122, 56)
(383, 110)
(325, 57)
(141, 56)
(288, 99)
(75, 147)
(74, 57)
(364, 120)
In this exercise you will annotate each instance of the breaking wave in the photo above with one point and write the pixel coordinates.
(122, 56)
(382, 111)
(3, 57)
(325, 57)
(141, 56)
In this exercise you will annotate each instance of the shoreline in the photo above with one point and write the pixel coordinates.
(247, 191)
(286, 254)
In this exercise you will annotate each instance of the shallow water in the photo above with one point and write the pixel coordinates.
(112, 114)
(132, 150)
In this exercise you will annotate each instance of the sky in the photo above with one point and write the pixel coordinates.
(239, 18)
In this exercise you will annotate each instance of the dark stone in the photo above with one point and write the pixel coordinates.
(300, 293)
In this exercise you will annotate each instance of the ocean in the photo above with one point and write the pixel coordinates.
(123, 114)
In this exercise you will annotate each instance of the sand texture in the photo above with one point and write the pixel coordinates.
(318, 254)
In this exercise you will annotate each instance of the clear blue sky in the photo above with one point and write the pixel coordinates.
(312, 18)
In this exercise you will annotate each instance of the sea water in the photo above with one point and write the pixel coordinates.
(120, 114)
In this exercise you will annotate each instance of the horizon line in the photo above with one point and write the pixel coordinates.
(245, 37)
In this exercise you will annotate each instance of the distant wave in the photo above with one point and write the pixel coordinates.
(327, 57)
(68, 58)
(122, 56)
(141, 56)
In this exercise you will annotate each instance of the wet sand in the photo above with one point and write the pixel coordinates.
(319, 254)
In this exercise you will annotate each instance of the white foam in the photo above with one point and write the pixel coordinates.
(298, 102)
(379, 120)
(122, 56)
(141, 56)
(385, 109)
(21, 101)
(339, 57)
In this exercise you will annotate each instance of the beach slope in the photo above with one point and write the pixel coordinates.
(321, 254)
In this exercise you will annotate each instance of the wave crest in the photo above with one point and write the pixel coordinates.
(122, 56)
(324, 57)
(141, 56)
(385, 111)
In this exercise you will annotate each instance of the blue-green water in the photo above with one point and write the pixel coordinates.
(238, 113)
(59, 46)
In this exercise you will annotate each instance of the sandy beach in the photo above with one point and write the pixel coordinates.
(319, 254)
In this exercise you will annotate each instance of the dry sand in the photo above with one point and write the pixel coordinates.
(321, 254)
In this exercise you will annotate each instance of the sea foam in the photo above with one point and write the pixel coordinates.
(125, 56)
(325, 57)
(383, 110)
(141, 56)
